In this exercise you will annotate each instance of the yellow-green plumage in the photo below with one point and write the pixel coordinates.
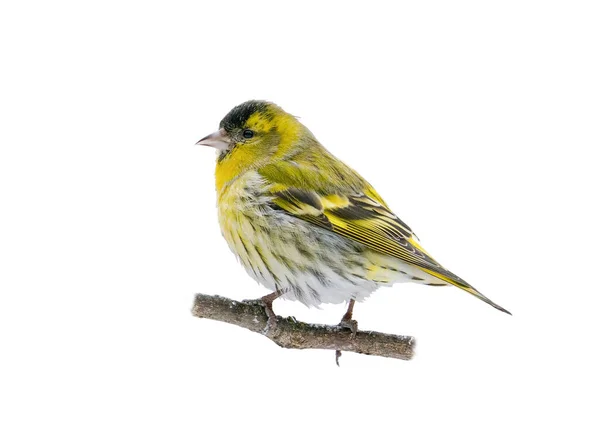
(302, 222)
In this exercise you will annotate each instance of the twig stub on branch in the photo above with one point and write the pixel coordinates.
(289, 333)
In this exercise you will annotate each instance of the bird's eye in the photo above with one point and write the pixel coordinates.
(248, 134)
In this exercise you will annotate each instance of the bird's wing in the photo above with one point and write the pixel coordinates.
(354, 211)
(351, 208)
(360, 218)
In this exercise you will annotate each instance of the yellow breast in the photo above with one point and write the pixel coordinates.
(239, 213)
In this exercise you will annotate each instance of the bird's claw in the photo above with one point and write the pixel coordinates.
(268, 307)
(271, 323)
(350, 324)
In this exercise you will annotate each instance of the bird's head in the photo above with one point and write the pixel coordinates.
(253, 133)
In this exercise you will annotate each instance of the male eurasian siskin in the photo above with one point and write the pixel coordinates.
(304, 224)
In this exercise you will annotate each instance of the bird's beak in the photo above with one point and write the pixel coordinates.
(219, 140)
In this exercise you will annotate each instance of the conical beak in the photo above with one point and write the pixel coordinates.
(219, 140)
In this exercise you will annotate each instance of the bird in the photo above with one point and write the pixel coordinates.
(304, 224)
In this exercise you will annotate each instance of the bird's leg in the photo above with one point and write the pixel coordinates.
(268, 303)
(347, 320)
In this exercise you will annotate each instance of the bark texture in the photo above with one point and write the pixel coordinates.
(289, 333)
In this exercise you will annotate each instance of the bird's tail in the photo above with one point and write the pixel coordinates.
(452, 279)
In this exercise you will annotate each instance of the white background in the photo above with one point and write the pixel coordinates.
(477, 122)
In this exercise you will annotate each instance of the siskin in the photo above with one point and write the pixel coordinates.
(304, 224)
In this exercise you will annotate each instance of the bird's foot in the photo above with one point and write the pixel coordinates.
(271, 320)
(267, 304)
(347, 322)
(350, 324)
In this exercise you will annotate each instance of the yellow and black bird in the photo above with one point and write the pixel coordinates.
(304, 224)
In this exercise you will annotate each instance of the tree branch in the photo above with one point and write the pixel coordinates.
(289, 333)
